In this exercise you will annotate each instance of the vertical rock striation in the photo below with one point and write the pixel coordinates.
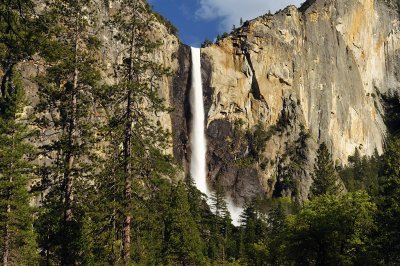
(274, 89)
(307, 76)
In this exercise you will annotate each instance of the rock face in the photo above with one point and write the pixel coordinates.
(276, 88)
(306, 76)
(113, 51)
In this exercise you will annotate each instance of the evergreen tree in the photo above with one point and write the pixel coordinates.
(253, 231)
(331, 230)
(150, 225)
(356, 161)
(206, 43)
(197, 201)
(18, 38)
(388, 204)
(221, 226)
(182, 242)
(325, 178)
(66, 93)
(107, 186)
(104, 214)
(362, 173)
(18, 246)
(275, 233)
(18, 41)
(372, 166)
(137, 141)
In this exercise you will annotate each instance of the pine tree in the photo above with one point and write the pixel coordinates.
(331, 230)
(18, 38)
(182, 242)
(388, 205)
(221, 225)
(197, 201)
(326, 180)
(152, 223)
(253, 230)
(136, 153)
(104, 215)
(16, 216)
(275, 233)
(66, 94)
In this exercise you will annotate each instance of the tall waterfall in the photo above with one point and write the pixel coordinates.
(198, 139)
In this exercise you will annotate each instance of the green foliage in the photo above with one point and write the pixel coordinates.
(253, 232)
(362, 173)
(331, 230)
(275, 234)
(223, 36)
(66, 93)
(256, 139)
(19, 35)
(388, 241)
(171, 27)
(134, 156)
(182, 243)
(220, 227)
(287, 115)
(325, 178)
(18, 41)
(97, 173)
(17, 242)
(206, 43)
(293, 164)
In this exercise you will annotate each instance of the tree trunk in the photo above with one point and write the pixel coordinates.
(69, 181)
(68, 178)
(67, 257)
(6, 80)
(7, 235)
(126, 231)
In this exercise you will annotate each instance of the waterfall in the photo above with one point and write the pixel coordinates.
(198, 139)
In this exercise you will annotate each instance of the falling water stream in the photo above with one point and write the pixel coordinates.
(198, 139)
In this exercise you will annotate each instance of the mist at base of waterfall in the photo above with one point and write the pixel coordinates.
(198, 139)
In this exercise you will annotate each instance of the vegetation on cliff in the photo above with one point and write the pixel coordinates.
(109, 193)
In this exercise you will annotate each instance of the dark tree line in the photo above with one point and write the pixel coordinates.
(109, 195)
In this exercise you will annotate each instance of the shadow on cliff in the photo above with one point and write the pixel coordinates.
(391, 105)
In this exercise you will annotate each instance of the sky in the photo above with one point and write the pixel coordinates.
(197, 20)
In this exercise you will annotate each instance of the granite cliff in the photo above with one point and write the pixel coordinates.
(294, 80)
(275, 88)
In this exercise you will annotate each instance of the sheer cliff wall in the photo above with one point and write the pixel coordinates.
(274, 89)
(307, 76)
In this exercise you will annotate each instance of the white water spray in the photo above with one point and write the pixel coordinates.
(198, 139)
(235, 211)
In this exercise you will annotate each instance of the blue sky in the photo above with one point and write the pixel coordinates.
(200, 19)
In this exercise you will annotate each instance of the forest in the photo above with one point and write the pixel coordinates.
(108, 193)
